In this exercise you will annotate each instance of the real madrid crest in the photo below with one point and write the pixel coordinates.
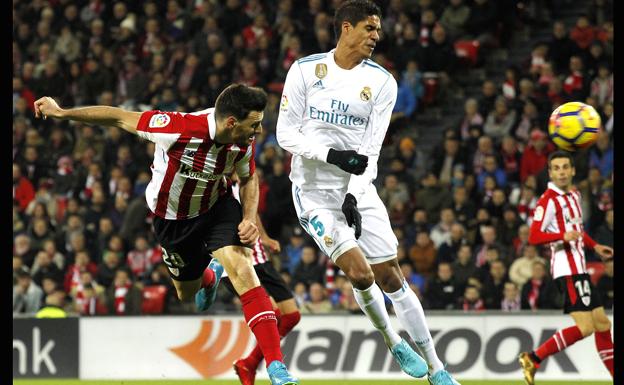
(365, 94)
(321, 70)
(328, 241)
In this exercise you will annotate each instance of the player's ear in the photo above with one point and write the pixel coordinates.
(346, 26)
(230, 122)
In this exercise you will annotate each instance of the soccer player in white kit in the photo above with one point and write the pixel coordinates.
(558, 221)
(333, 118)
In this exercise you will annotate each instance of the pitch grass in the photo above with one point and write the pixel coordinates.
(305, 382)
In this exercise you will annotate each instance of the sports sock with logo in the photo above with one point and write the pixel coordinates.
(558, 341)
(285, 323)
(604, 346)
(372, 303)
(262, 321)
(410, 313)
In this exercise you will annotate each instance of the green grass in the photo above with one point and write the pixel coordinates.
(305, 382)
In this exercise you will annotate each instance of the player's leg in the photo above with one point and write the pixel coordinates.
(286, 312)
(380, 244)
(257, 309)
(579, 310)
(320, 215)
(185, 261)
(602, 335)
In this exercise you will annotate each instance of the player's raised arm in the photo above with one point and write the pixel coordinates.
(101, 115)
(289, 129)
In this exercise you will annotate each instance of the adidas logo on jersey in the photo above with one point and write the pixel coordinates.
(318, 84)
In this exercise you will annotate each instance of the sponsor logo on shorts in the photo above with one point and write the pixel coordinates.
(159, 120)
(174, 270)
(329, 242)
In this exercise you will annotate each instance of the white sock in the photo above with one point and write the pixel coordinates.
(412, 317)
(371, 302)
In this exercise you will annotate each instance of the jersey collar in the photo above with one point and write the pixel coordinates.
(556, 189)
(212, 123)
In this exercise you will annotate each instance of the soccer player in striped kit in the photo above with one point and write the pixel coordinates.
(196, 214)
(558, 221)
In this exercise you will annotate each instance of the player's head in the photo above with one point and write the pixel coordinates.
(357, 24)
(239, 109)
(561, 169)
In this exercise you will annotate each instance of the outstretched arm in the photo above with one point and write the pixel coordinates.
(102, 115)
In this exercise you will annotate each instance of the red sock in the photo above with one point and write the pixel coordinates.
(208, 279)
(559, 341)
(287, 322)
(254, 358)
(604, 345)
(261, 319)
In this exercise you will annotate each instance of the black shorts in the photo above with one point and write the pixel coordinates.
(578, 292)
(187, 243)
(270, 279)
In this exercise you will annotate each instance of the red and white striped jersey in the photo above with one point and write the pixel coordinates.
(556, 213)
(189, 167)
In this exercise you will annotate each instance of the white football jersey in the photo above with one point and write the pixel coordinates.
(324, 106)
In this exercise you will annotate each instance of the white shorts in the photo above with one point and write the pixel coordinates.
(320, 215)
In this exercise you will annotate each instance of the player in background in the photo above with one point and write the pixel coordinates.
(334, 114)
(195, 211)
(284, 304)
(558, 221)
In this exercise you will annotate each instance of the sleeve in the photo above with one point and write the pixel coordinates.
(160, 127)
(290, 119)
(246, 166)
(374, 137)
(588, 241)
(543, 215)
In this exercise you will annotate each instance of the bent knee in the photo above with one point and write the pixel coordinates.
(361, 279)
(185, 296)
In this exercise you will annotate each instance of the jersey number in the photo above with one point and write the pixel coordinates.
(318, 226)
(173, 260)
(583, 288)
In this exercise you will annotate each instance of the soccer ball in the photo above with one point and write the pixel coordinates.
(574, 125)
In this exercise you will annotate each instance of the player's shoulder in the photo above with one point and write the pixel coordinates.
(376, 66)
(546, 197)
(317, 57)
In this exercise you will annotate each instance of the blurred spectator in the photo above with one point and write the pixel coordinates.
(432, 197)
(601, 87)
(27, 295)
(491, 169)
(22, 248)
(318, 302)
(423, 254)
(493, 284)
(454, 18)
(123, 297)
(53, 306)
(111, 262)
(583, 33)
(511, 297)
(44, 266)
(300, 293)
(464, 266)
(393, 191)
(23, 190)
(82, 263)
(443, 291)
(521, 268)
(576, 82)
(142, 257)
(441, 232)
(463, 207)
(535, 155)
(604, 232)
(539, 291)
(308, 270)
(500, 121)
(293, 249)
(444, 162)
(601, 155)
(561, 47)
(471, 300)
(605, 285)
(447, 251)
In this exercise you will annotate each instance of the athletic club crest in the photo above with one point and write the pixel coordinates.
(365, 94)
(321, 70)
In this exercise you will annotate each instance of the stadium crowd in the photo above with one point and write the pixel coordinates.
(81, 227)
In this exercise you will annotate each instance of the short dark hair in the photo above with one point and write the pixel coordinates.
(560, 154)
(239, 100)
(354, 11)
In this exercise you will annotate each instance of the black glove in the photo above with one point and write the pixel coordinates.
(348, 160)
(350, 211)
